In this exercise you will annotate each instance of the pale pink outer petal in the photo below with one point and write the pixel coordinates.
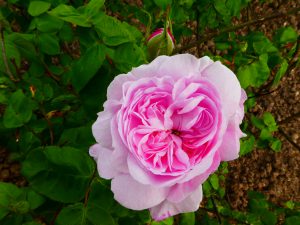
(230, 147)
(177, 66)
(94, 151)
(167, 208)
(135, 195)
(109, 163)
(226, 84)
(144, 176)
(115, 88)
(101, 129)
(181, 191)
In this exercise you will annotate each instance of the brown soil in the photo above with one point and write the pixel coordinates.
(9, 170)
(277, 175)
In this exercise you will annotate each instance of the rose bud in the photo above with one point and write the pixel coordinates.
(160, 43)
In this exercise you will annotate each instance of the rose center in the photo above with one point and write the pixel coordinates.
(176, 132)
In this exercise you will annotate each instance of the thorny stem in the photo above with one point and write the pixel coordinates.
(234, 28)
(4, 56)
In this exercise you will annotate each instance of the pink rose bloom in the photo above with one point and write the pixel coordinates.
(166, 126)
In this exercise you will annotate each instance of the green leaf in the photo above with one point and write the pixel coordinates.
(19, 110)
(12, 53)
(290, 204)
(87, 66)
(187, 219)
(276, 145)
(72, 214)
(100, 197)
(70, 14)
(127, 56)
(78, 137)
(220, 6)
(268, 217)
(34, 199)
(293, 220)
(280, 73)
(234, 6)
(247, 145)
(112, 31)
(163, 3)
(259, 123)
(9, 194)
(263, 45)
(269, 121)
(48, 24)
(265, 134)
(214, 181)
(285, 35)
(168, 221)
(254, 74)
(206, 188)
(187, 3)
(93, 7)
(38, 7)
(62, 174)
(78, 214)
(49, 44)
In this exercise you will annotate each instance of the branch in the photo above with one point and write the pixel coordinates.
(234, 28)
(4, 56)
(288, 138)
(289, 119)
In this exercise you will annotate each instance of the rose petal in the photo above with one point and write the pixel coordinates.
(94, 151)
(177, 66)
(115, 90)
(167, 208)
(181, 191)
(101, 129)
(144, 176)
(230, 147)
(227, 85)
(135, 195)
(110, 163)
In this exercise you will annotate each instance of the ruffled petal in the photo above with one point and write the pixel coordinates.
(227, 85)
(109, 163)
(167, 208)
(230, 147)
(135, 195)
(146, 177)
(101, 129)
(115, 89)
(181, 191)
(177, 66)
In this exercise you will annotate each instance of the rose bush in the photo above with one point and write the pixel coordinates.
(165, 128)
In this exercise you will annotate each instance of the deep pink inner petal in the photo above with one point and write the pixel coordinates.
(169, 127)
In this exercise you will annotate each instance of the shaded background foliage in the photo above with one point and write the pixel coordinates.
(57, 59)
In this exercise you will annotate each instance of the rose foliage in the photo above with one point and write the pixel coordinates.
(167, 124)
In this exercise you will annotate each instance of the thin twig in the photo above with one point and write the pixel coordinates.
(4, 56)
(288, 138)
(289, 119)
(216, 210)
(234, 28)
